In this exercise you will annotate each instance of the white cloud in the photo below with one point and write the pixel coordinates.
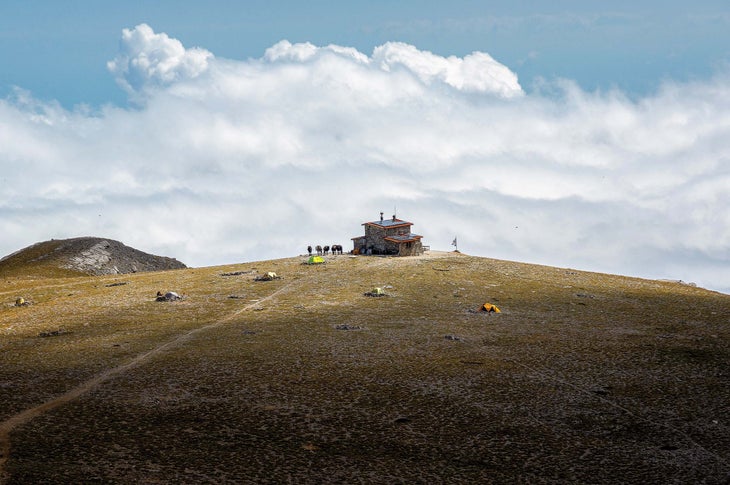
(225, 160)
(147, 58)
(477, 72)
(302, 52)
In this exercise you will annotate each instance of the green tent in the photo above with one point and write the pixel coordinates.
(315, 260)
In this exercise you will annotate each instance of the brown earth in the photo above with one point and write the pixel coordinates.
(583, 377)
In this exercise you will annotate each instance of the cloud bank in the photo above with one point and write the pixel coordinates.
(223, 160)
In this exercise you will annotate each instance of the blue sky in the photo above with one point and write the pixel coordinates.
(59, 50)
(590, 135)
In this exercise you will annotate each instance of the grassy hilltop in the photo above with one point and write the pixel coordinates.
(583, 377)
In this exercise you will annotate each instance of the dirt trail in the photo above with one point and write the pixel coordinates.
(7, 426)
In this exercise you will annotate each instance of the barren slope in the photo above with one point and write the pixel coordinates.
(583, 378)
(81, 256)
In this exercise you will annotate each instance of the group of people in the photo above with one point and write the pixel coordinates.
(335, 248)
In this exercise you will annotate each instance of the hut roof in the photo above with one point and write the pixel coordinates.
(401, 238)
(389, 223)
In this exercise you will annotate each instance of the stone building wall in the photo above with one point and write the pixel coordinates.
(374, 240)
(414, 248)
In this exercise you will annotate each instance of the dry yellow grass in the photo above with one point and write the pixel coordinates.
(584, 377)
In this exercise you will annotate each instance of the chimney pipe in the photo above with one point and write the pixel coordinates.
(393, 217)
(381, 217)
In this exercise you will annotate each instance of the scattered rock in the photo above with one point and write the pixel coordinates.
(344, 326)
(310, 447)
(452, 337)
(169, 296)
(602, 391)
(236, 273)
(121, 283)
(686, 283)
(270, 276)
(53, 333)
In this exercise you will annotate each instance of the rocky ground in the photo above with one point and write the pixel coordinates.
(583, 378)
(82, 255)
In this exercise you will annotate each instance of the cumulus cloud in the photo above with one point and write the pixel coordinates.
(226, 160)
(477, 72)
(149, 59)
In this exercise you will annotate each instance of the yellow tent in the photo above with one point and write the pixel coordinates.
(488, 307)
(375, 292)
